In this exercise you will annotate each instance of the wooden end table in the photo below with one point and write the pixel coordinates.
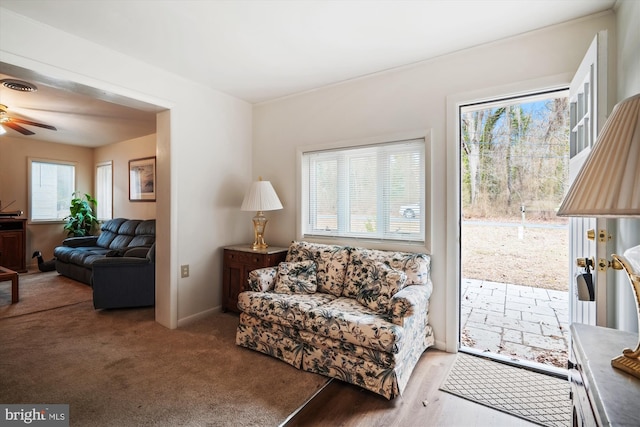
(239, 260)
(6, 275)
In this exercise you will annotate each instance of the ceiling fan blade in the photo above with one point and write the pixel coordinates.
(29, 122)
(17, 128)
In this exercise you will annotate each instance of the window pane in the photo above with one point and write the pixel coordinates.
(104, 190)
(52, 186)
(363, 193)
(405, 196)
(324, 192)
(374, 191)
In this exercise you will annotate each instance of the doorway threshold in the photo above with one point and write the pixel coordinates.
(541, 368)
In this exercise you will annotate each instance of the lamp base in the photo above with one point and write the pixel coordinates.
(259, 226)
(257, 246)
(627, 364)
(629, 361)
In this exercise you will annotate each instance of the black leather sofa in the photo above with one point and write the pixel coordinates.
(119, 263)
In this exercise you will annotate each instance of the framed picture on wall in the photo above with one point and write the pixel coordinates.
(142, 180)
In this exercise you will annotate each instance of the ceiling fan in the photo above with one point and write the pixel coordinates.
(12, 123)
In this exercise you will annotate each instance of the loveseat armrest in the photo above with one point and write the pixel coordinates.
(123, 282)
(137, 252)
(262, 279)
(76, 242)
(119, 262)
(410, 300)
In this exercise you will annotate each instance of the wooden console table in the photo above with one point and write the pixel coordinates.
(602, 395)
(238, 261)
(6, 275)
(13, 246)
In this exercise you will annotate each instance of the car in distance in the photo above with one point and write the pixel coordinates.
(410, 211)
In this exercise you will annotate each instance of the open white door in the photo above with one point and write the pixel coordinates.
(589, 237)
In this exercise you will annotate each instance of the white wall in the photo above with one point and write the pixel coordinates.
(410, 99)
(203, 156)
(120, 154)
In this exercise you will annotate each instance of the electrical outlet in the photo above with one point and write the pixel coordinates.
(184, 271)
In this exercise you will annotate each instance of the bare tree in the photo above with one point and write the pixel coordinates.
(477, 138)
(515, 153)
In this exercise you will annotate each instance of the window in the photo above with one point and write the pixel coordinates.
(374, 191)
(104, 190)
(51, 187)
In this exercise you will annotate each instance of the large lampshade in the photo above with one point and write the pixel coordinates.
(608, 185)
(260, 197)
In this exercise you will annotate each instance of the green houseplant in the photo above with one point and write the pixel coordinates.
(82, 218)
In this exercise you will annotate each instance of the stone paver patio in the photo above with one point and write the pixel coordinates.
(520, 322)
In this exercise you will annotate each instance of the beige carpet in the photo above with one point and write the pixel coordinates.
(536, 397)
(121, 368)
(40, 292)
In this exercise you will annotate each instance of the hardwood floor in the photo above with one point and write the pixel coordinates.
(422, 404)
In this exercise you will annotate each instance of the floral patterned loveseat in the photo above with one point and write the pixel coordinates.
(354, 314)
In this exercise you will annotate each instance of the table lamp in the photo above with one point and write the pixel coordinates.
(608, 186)
(260, 197)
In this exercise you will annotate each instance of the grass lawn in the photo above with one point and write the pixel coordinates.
(497, 253)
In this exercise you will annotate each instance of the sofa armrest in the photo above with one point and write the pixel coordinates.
(137, 252)
(123, 282)
(119, 262)
(410, 300)
(262, 279)
(76, 242)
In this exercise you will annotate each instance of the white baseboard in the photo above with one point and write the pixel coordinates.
(189, 319)
(440, 345)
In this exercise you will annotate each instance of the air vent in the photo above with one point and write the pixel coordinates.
(19, 85)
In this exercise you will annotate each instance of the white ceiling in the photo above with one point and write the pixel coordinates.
(262, 50)
(80, 116)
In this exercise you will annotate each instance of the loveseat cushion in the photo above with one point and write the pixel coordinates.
(145, 234)
(415, 265)
(378, 285)
(285, 309)
(331, 263)
(83, 256)
(347, 320)
(296, 278)
(113, 225)
(106, 237)
(126, 233)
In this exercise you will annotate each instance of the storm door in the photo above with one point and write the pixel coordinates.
(589, 236)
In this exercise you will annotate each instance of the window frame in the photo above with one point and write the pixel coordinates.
(302, 183)
(31, 161)
(97, 193)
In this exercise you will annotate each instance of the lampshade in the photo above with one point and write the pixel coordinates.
(608, 185)
(261, 197)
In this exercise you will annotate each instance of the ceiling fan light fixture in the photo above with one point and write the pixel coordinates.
(2, 130)
(19, 85)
